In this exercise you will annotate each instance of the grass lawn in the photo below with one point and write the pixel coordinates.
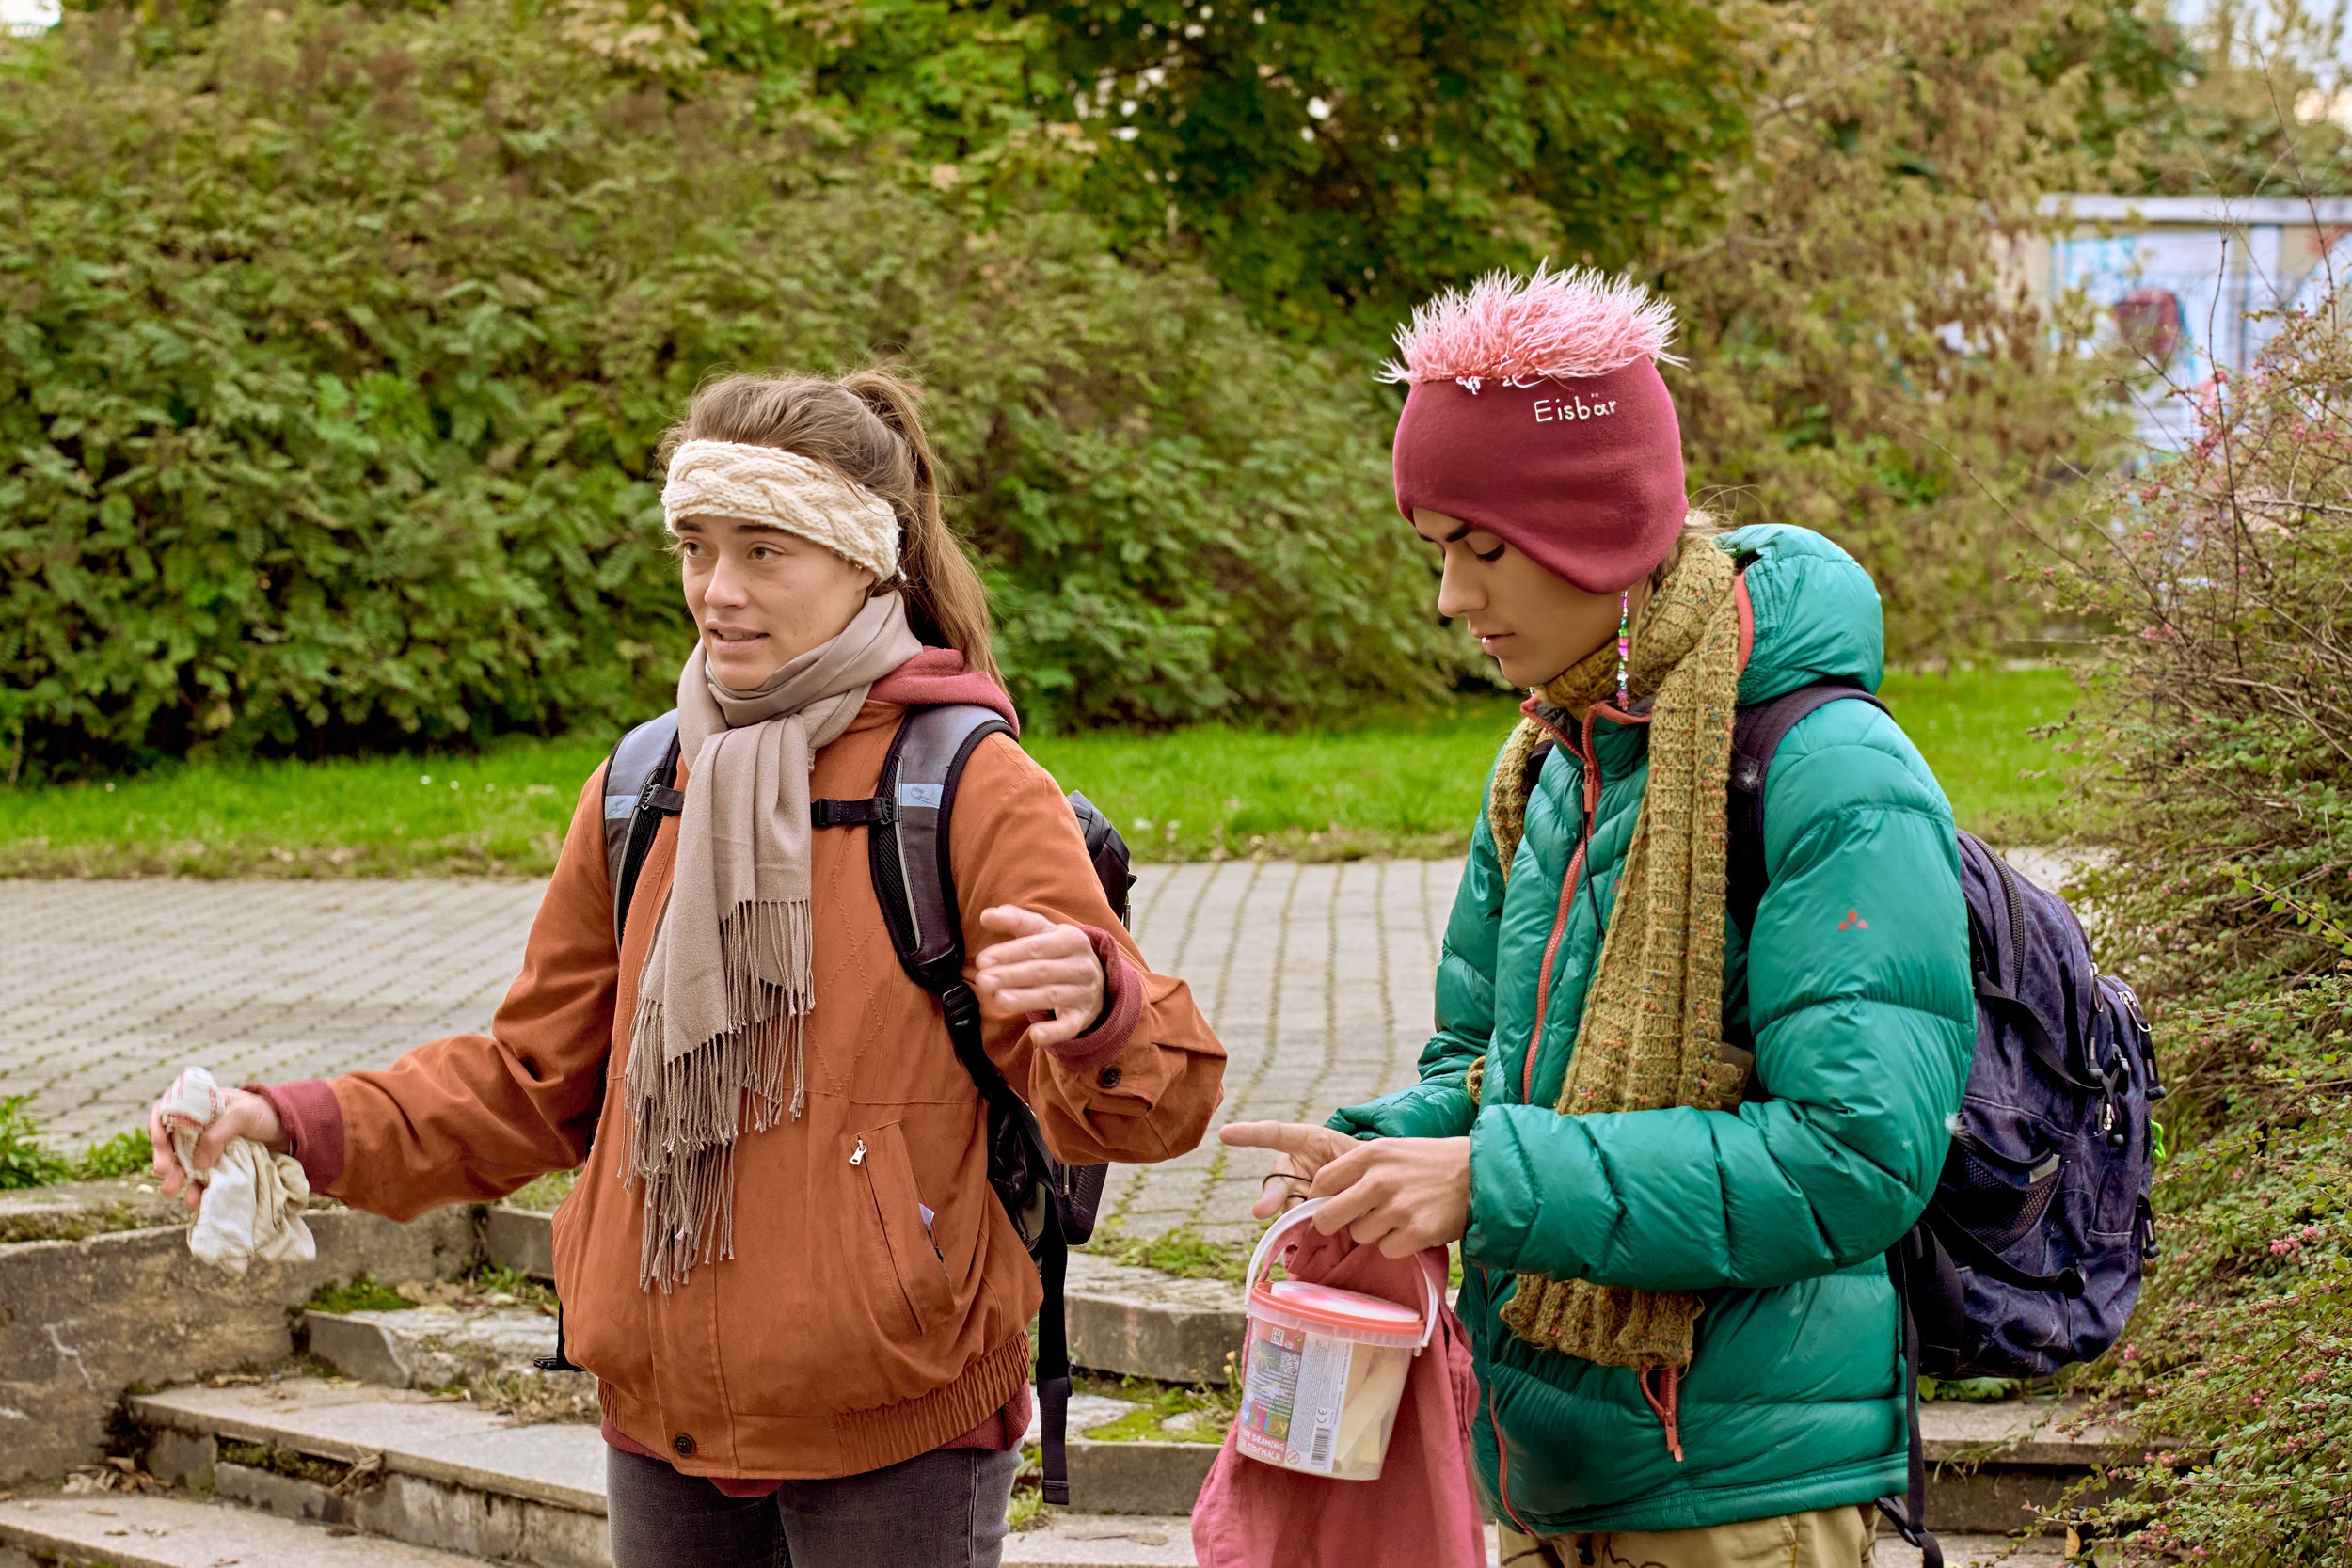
(1398, 785)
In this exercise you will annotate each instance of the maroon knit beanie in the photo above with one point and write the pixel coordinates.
(1538, 413)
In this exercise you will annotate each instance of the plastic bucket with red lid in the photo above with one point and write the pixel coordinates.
(1323, 1370)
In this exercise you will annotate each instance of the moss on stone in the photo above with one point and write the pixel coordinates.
(282, 1460)
(361, 1294)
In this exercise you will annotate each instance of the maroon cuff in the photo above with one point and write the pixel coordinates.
(1122, 1006)
(313, 1120)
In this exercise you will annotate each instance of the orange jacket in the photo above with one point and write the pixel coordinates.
(840, 1337)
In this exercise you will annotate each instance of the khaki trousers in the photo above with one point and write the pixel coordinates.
(1825, 1538)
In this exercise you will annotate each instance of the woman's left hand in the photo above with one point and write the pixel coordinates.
(1402, 1194)
(1042, 967)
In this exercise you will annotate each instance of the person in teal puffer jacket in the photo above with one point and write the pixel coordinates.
(1672, 1157)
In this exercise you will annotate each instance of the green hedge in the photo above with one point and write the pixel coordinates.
(334, 347)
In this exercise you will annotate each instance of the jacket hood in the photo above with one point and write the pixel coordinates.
(1817, 612)
(937, 677)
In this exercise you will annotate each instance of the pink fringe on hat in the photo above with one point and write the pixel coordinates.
(1503, 328)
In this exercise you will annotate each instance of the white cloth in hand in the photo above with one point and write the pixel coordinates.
(253, 1199)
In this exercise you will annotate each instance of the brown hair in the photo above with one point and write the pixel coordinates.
(868, 428)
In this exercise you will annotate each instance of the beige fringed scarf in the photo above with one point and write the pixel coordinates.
(726, 985)
(1652, 1030)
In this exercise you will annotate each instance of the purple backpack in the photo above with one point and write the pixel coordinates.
(2027, 1257)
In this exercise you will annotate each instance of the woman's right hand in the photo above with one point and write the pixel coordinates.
(243, 1114)
(1300, 1150)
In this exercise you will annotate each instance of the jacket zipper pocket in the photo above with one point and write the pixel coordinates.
(920, 1270)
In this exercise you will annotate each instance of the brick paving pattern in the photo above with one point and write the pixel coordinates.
(1317, 977)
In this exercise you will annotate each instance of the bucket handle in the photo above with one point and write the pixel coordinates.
(1305, 1210)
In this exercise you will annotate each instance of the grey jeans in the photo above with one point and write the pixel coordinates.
(945, 1509)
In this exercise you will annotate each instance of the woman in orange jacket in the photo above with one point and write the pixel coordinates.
(804, 1306)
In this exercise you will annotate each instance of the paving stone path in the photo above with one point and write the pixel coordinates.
(1317, 977)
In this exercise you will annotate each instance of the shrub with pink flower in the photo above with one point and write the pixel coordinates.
(2220, 722)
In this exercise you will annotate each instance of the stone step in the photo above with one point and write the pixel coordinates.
(161, 1531)
(1995, 1465)
(446, 1473)
(1145, 1478)
(1139, 1323)
(81, 1322)
(430, 1347)
(149, 1531)
(429, 1471)
(488, 1352)
(442, 1474)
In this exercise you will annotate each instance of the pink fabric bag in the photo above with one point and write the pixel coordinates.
(1423, 1510)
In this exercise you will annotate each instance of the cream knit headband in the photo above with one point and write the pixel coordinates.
(768, 485)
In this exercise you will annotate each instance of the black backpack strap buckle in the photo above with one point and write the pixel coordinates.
(961, 1007)
(877, 810)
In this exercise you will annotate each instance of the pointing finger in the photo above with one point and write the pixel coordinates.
(1300, 1138)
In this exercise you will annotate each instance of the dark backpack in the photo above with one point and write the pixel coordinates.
(2027, 1259)
(1051, 1205)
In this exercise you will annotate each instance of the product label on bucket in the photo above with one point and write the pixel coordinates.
(1292, 1390)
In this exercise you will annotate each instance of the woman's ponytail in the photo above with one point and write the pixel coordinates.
(946, 600)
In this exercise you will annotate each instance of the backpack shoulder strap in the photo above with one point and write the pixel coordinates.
(637, 796)
(907, 823)
(1755, 736)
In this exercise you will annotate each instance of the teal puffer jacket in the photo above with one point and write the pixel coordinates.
(1856, 990)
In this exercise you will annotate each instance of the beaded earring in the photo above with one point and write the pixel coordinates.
(1624, 644)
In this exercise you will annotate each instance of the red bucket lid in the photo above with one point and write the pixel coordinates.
(1337, 1308)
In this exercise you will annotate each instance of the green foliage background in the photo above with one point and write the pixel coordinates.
(335, 339)
(333, 351)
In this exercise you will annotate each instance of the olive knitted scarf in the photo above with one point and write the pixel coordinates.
(1652, 1030)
